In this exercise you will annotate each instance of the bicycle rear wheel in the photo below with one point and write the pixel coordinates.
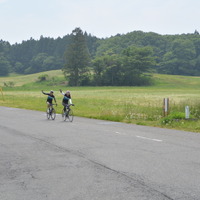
(53, 114)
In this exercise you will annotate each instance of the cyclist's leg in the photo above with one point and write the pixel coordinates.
(64, 106)
(48, 110)
(50, 106)
(47, 106)
(68, 109)
(53, 113)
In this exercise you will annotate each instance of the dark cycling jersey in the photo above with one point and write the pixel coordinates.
(50, 97)
(66, 99)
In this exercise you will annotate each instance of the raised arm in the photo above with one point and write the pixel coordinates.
(62, 92)
(45, 93)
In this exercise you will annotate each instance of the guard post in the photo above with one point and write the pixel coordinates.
(165, 107)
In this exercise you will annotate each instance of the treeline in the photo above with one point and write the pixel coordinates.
(174, 54)
(34, 56)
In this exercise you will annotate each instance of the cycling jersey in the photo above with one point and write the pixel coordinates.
(50, 97)
(66, 99)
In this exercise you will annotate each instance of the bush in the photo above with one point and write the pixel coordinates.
(43, 77)
(172, 117)
(9, 84)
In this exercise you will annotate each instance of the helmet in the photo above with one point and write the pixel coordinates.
(67, 92)
(51, 91)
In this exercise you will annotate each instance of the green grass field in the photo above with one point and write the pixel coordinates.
(139, 105)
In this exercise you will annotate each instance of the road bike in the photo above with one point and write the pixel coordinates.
(51, 112)
(67, 113)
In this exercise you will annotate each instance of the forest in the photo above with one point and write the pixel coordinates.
(122, 59)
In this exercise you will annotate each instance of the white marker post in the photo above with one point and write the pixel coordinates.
(187, 112)
(165, 107)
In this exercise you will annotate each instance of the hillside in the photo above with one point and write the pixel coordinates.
(176, 81)
(20, 80)
(160, 80)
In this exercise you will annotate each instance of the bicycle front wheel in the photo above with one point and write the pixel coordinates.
(53, 114)
(64, 115)
(70, 115)
(48, 113)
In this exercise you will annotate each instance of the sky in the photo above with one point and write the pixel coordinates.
(24, 19)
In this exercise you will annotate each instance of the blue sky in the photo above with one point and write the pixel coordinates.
(23, 19)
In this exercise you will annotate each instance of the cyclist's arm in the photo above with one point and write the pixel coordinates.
(62, 92)
(55, 99)
(45, 93)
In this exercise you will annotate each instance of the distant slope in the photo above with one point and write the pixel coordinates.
(160, 80)
(177, 81)
(20, 80)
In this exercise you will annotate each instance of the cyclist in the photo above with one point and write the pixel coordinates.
(66, 99)
(50, 98)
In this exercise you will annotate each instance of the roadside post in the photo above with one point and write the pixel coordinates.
(165, 107)
(187, 112)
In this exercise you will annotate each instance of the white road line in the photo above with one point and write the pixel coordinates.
(145, 138)
(120, 133)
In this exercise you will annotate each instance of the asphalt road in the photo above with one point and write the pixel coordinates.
(94, 160)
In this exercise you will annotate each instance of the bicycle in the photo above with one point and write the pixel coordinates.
(67, 113)
(51, 112)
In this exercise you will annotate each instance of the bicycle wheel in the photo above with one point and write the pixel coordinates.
(48, 113)
(64, 115)
(70, 115)
(53, 114)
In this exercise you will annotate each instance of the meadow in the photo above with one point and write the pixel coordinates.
(138, 105)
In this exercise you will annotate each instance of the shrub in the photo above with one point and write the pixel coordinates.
(9, 84)
(43, 77)
(172, 117)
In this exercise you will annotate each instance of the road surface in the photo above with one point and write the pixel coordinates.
(94, 160)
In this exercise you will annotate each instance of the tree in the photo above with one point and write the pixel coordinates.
(37, 63)
(98, 65)
(137, 61)
(180, 59)
(19, 68)
(77, 58)
(107, 70)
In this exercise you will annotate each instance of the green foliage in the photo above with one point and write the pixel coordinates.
(181, 58)
(125, 69)
(173, 116)
(4, 65)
